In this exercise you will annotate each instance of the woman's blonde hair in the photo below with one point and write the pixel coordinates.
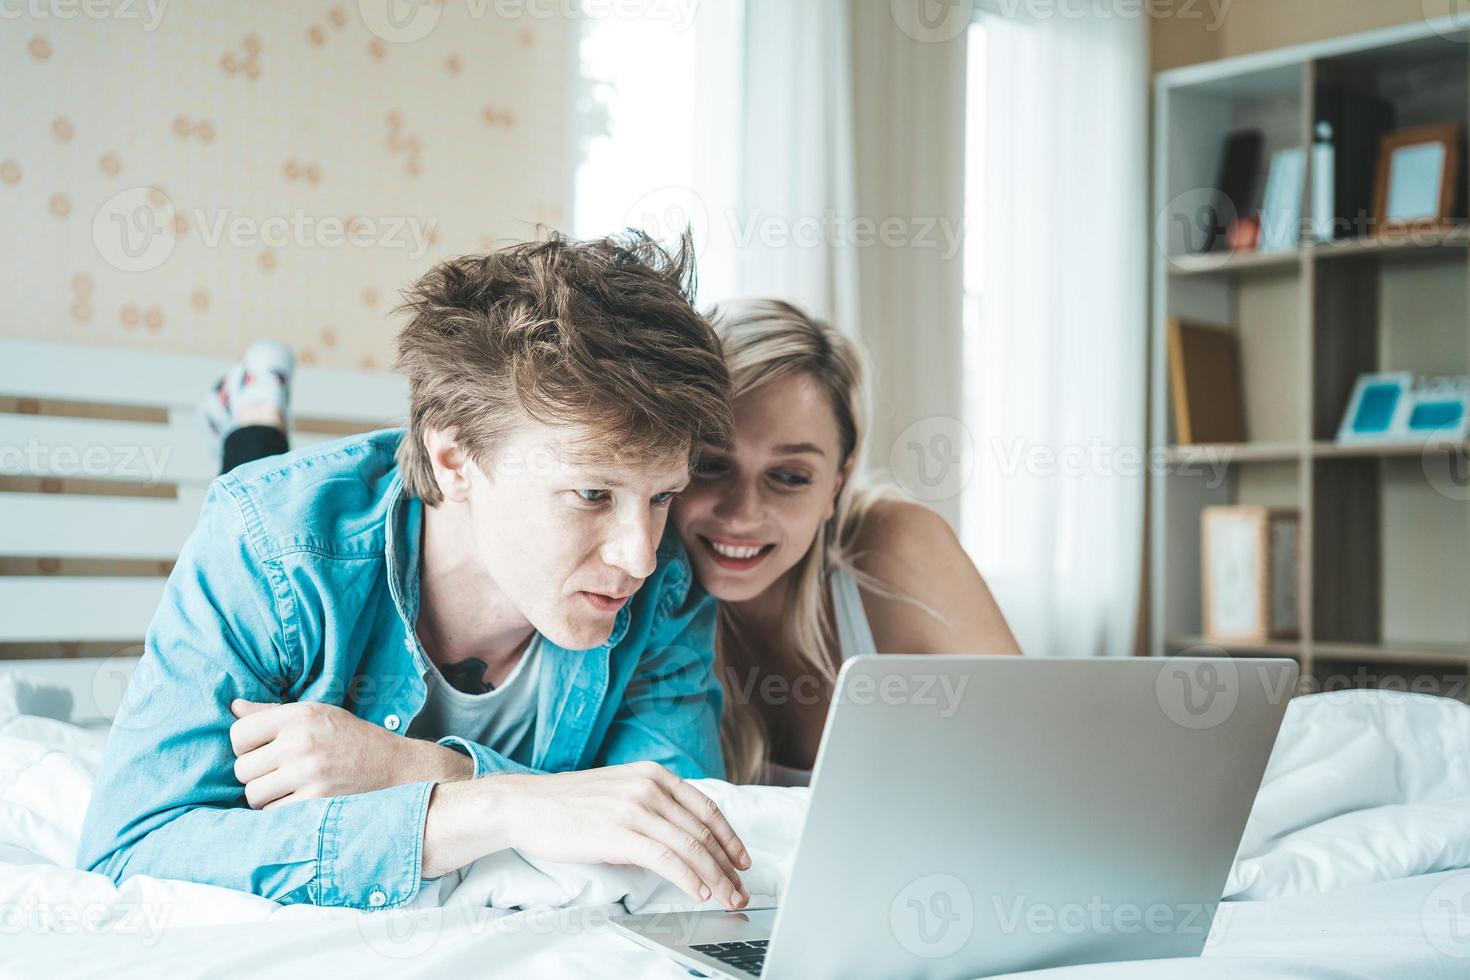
(765, 340)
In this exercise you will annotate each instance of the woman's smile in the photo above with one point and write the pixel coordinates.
(736, 555)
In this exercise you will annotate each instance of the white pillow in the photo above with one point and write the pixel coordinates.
(1362, 786)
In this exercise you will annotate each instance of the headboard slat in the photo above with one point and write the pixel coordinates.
(82, 430)
(50, 608)
(64, 525)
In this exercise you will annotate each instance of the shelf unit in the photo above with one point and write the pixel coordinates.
(1385, 535)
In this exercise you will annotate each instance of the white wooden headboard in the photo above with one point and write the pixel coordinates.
(102, 471)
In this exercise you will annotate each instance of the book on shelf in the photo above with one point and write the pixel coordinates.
(1204, 378)
(1357, 121)
(1281, 210)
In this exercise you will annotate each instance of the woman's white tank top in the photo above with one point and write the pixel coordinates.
(854, 638)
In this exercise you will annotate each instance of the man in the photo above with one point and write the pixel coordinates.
(373, 655)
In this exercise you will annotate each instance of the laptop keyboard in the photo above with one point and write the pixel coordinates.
(745, 957)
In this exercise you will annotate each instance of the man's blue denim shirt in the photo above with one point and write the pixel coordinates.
(301, 583)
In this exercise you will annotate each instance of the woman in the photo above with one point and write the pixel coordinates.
(809, 569)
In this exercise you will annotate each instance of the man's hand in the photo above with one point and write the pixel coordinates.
(638, 814)
(308, 750)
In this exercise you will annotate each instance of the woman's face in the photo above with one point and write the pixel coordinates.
(753, 509)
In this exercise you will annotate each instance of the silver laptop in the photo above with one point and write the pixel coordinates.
(980, 815)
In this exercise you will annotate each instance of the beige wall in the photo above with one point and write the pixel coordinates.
(239, 141)
(1226, 28)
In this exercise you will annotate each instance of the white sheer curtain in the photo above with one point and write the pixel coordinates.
(1055, 352)
(796, 180)
(909, 122)
(853, 154)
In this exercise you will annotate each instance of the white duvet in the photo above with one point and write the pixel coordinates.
(1348, 868)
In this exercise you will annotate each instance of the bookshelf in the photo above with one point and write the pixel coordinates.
(1384, 570)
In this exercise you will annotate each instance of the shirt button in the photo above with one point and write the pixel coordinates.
(377, 899)
(392, 722)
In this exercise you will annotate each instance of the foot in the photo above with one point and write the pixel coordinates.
(256, 390)
(264, 396)
(216, 412)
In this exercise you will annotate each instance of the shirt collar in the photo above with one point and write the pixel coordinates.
(620, 626)
(403, 534)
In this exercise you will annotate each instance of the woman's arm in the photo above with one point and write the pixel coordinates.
(913, 550)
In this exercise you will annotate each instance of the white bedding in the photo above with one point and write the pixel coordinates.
(1348, 869)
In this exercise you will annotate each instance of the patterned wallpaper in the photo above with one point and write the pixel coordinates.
(193, 176)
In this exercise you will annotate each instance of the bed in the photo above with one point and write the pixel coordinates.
(103, 468)
(1351, 866)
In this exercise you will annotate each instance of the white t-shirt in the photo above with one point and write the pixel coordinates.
(503, 719)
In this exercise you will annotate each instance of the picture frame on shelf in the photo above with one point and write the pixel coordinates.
(1395, 406)
(1375, 408)
(1251, 559)
(1416, 185)
(1440, 408)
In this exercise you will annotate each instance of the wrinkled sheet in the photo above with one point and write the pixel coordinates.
(1348, 868)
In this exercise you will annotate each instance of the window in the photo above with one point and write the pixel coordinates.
(635, 122)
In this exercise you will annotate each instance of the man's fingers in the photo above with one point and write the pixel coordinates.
(253, 765)
(240, 707)
(268, 788)
(701, 806)
(691, 826)
(722, 884)
(256, 728)
(658, 857)
(705, 810)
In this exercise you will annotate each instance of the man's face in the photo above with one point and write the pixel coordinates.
(569, 541)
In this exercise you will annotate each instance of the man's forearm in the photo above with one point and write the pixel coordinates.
(462, 825)
(342, 851)
(285, 753)
(439, 763)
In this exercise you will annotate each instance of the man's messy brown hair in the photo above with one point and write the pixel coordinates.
(601, 334)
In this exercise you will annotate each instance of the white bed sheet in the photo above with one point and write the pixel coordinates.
(1349, 868)
(1394, 930)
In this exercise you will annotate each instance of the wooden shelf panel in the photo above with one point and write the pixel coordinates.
(1236, 452)
(1422, 654)
(1397, 245)
(1287, 452)
(1350, 450)
(1234, 263)
(1238, 648)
